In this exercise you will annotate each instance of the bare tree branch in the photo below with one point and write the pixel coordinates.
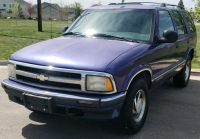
(63, 10)
(30, 8)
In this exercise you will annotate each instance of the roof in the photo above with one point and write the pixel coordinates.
(55, 6)
(21, 2)
(123, 6)
(71, 10)
(137, 6)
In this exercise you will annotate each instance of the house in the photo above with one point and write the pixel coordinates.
(6, 4)
(54, 11)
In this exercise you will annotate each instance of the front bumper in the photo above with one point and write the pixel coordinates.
(91, 106)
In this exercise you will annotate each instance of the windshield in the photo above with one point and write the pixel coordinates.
(136, 24)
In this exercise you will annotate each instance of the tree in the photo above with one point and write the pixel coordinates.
(197, 10)
(20, 13)
(123, 1)
(98, 4)
(10, 10)
(15, 10)
(180, 4)
(78, 9)
(30, 8)
(63, 10)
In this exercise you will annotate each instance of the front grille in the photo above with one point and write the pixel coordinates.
(49, 73)
(48, 84)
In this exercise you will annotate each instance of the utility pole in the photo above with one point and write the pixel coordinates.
(39, 16)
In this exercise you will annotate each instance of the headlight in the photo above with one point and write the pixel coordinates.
(98, 83)
(11, 70)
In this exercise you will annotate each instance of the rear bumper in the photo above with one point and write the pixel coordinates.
(98, 107)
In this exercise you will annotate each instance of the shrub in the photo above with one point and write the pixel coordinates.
(49, 18)
(5, 17)
(30, 18)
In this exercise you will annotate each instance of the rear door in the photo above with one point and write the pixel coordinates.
(183, 40)
(192, 28)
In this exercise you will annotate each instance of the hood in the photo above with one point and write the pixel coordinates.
(74, 53)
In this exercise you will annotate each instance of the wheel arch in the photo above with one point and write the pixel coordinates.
(190, 52)
(144, 72)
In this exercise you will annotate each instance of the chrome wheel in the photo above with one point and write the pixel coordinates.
(187, 71)
(139, 105)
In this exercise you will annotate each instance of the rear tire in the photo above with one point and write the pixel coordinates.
(135, 108)
(182, 78)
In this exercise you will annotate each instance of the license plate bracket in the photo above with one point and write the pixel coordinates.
(38, 103)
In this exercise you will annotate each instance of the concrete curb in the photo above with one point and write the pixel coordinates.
(3, 62)
(195, 70)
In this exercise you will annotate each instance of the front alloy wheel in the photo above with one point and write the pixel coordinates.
(139, 105)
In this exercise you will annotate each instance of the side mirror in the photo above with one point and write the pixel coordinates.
(169, 36)
(64, 29)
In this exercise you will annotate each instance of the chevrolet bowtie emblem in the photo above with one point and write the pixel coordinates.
(42, 78)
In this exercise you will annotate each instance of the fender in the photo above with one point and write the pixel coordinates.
(190, 48)
(133, 73)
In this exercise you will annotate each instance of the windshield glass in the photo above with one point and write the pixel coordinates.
(136, 24)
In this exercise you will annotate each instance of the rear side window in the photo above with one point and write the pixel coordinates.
(179, 23)
(165, 22)
(190, 21)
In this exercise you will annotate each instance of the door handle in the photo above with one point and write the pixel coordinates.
(177, 46)
(188, 42)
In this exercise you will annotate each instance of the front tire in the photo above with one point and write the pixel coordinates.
(182, 78)
(135, 108)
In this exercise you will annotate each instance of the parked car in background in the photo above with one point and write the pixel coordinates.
(106, 64)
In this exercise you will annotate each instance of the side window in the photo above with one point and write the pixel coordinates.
(165, 22)
(179, 23)
(190, 21)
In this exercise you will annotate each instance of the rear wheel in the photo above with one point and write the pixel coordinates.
(135, 107)
(183, 77)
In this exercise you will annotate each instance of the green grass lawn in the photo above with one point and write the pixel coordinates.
(196, 61)
(13, 38)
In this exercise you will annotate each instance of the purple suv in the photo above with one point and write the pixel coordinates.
(106, 63)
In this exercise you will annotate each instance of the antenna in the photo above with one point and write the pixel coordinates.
(51, 20)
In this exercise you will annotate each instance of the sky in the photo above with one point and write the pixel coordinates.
(88, 3)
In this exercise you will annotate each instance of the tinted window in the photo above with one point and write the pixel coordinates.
(165, 22)
(179, 23)
(190, 21)
(4, 5)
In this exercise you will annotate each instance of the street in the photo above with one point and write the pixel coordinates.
(174, 113)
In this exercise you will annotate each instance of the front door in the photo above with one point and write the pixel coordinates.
(164, 54)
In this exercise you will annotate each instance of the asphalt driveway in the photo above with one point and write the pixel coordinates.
(173, 114)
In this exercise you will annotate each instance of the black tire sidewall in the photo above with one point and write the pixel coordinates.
(131, 125)
(179, 79)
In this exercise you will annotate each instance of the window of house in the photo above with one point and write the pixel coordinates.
(53, 13)
(4, 5)
(165, 22)
(179, 23)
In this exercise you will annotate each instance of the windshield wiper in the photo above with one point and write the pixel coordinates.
(74, 33)
(113, 36)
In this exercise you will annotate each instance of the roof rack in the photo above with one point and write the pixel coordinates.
(154, 3)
